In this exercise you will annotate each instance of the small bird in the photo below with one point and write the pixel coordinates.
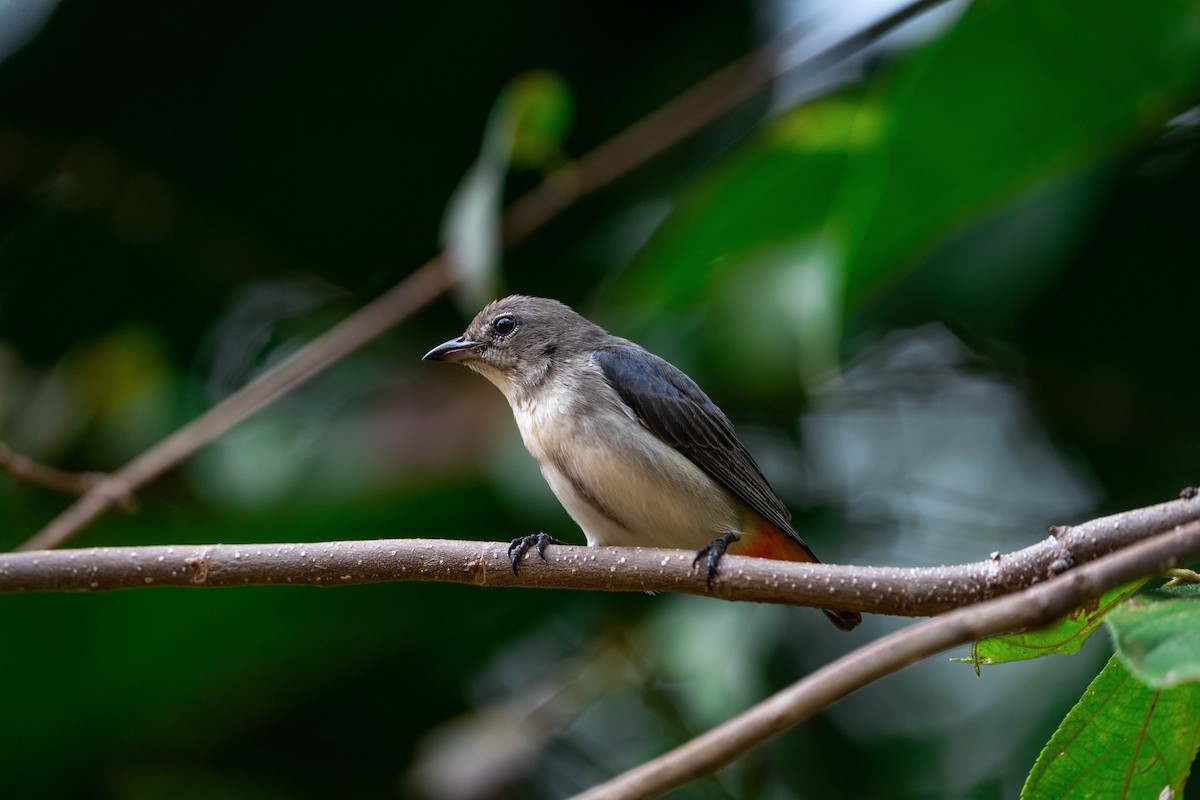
(634, 450)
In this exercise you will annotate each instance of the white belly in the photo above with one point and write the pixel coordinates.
(620, 483)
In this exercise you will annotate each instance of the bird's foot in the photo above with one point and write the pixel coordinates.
(712, 553)
(538, 541)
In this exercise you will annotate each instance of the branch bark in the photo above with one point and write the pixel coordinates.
(642, 141)
(919, 591)
(1036, 606)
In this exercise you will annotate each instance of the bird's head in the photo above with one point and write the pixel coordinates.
(517, 341)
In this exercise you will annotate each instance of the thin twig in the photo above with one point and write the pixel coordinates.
(919, 591)
(662, 129)
(24, 468)
(1036, 606)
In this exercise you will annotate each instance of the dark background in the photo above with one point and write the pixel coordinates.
(949, 302)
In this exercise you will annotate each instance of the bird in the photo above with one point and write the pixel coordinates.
(633, 449)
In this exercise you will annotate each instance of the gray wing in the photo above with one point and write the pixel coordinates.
(672, 407)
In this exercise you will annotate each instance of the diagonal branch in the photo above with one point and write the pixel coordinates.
(678, 119)
(1036, 606)
(916, 591)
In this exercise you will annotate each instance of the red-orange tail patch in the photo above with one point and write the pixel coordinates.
(765, 541)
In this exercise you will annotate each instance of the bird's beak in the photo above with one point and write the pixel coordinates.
(459, 349)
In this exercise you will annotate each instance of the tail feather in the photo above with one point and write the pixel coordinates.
(846, 620)
(765, 541)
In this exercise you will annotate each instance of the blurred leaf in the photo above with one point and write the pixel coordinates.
(525, 129)
(1038, 90)
(540, 110)
(1062, 638)
(1015, 95)
(22, 23)
(775, 192)
(1156, 636)
(258, 465)
(113, 372)
(471, 233)
(127, 384)
(787, 301)
(1123, 739)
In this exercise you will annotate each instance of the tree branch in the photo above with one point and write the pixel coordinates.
(1036, 606)
(918, 591)
(1083, 554)
(642, 141)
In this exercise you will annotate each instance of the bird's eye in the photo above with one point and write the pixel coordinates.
(504, 326)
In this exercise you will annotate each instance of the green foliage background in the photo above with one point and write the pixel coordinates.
(989, 241)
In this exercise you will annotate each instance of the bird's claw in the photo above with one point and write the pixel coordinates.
(712, 553)
(520, 546)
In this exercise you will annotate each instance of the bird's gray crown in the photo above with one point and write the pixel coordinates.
(516, 342)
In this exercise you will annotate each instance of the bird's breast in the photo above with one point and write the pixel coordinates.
(619, 482)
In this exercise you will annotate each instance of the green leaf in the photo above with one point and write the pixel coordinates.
(1122, 740)
(1039, 90)
(525, 129)
(1017, 95)
(1157, 635)
(540, 109)
(773, 193)
(471, 233)
(1062, 638)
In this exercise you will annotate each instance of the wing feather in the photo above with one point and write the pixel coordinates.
(671, 406)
